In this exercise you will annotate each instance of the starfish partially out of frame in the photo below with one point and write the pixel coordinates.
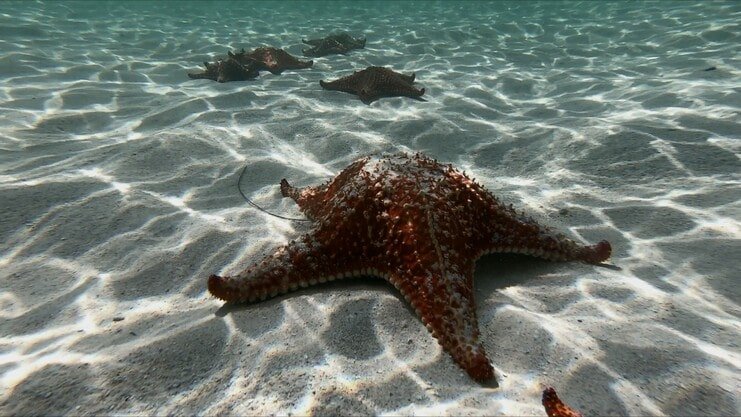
(554, 407)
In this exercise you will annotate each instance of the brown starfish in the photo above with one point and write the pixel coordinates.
(419, 225)
(373, 83)
(225, 70)
(271, 59)
(339, 43)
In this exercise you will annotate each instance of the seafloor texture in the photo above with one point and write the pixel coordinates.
(118, 200)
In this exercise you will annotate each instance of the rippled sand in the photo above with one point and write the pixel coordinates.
(118, 198)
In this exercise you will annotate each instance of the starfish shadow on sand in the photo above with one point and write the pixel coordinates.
(493, 273)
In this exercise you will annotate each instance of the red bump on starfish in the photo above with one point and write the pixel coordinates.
(419, 225)
(554, 407)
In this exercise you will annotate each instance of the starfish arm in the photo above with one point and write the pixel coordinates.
(313, 200)
(445, 304)
(342, 244)
(408, 78)
(305, 64)
(312, 42)
(200, 75)
(288, 61)
(209, 73)
(301, 263)
(309, 199)
(347, 84)
(339, 246)
(368, 96)
(331, 45)
(391, 82)
(274, 60)
(319, 47)
(232, 70)
(226, 70)
(386, 83)
(245, 59)
(521, 234)
(399, 87)
(435, 272)
(498, 228)
(510, 231)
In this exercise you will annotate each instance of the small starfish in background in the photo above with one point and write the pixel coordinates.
(271, 59)
(554, 407)
(339, 43)
(225, 70)
(373, 83)
(247, 66)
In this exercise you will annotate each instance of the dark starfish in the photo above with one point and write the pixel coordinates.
(339, 43)
(246, 66)
(373, 83)
(271, 59)
(229, 69)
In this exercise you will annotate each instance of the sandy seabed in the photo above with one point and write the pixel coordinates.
(118, 196)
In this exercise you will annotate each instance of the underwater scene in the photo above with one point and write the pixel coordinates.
(370, 208)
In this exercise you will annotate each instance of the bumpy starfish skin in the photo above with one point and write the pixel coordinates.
(554, 407)
(416, 223)
(373, 83)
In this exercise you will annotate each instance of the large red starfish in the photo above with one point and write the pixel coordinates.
(416, 223)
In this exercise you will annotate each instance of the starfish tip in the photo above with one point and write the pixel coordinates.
(554, 407)
(478, 367)
(216, 287)
(481, 373)
(599, 252)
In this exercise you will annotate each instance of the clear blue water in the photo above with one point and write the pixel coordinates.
(615, 120)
